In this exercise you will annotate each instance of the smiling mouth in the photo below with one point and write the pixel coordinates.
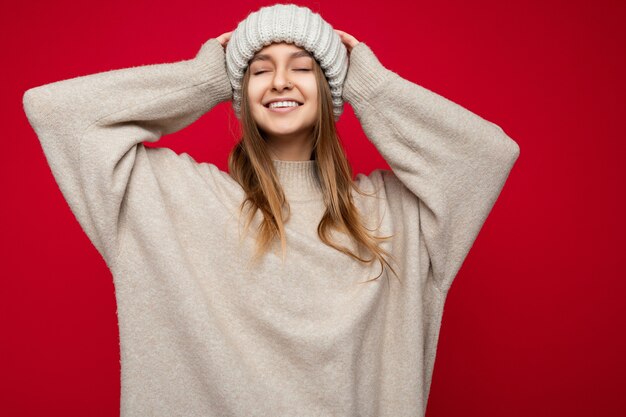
(267, 106)
(287, 109)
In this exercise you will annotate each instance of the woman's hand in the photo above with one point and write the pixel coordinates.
(348, 40)
(224, 38)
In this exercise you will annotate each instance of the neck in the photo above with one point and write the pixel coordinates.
(292, 148)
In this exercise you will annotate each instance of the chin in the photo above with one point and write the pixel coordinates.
(284, 127)
(282, 133)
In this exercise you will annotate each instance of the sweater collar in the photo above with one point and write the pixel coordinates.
(299, 179)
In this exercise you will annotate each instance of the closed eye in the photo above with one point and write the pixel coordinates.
(299, 69)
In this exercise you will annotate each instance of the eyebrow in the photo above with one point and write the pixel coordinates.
(264, 57)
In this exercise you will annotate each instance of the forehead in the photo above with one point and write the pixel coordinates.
(280, 51)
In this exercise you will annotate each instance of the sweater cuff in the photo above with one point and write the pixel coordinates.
(211, 62)
(366, 77)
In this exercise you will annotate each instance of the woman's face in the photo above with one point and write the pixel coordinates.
(283, 70)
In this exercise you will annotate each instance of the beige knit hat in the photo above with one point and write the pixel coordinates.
(292, 24)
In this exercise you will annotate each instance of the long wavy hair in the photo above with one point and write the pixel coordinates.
(251, 166)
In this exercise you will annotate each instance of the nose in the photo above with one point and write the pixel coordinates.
(281, 81)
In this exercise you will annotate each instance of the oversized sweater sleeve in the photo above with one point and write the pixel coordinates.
(452, 161)
(91, 127)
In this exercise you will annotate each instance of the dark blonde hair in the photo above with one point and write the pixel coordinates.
(251, 166)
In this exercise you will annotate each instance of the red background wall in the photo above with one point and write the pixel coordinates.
(534, 323)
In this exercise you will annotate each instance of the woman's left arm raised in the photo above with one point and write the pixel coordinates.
(452, 160)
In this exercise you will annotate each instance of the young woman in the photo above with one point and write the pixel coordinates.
(300, 313)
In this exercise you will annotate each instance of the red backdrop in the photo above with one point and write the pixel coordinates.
(534, 323)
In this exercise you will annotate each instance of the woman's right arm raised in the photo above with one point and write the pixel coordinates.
(92, 127)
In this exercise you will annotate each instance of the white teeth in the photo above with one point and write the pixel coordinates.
(283, 104)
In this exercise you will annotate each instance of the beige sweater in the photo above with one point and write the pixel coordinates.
(204, 334)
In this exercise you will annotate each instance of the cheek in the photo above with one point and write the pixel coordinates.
(255, 94)
(309, 88)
